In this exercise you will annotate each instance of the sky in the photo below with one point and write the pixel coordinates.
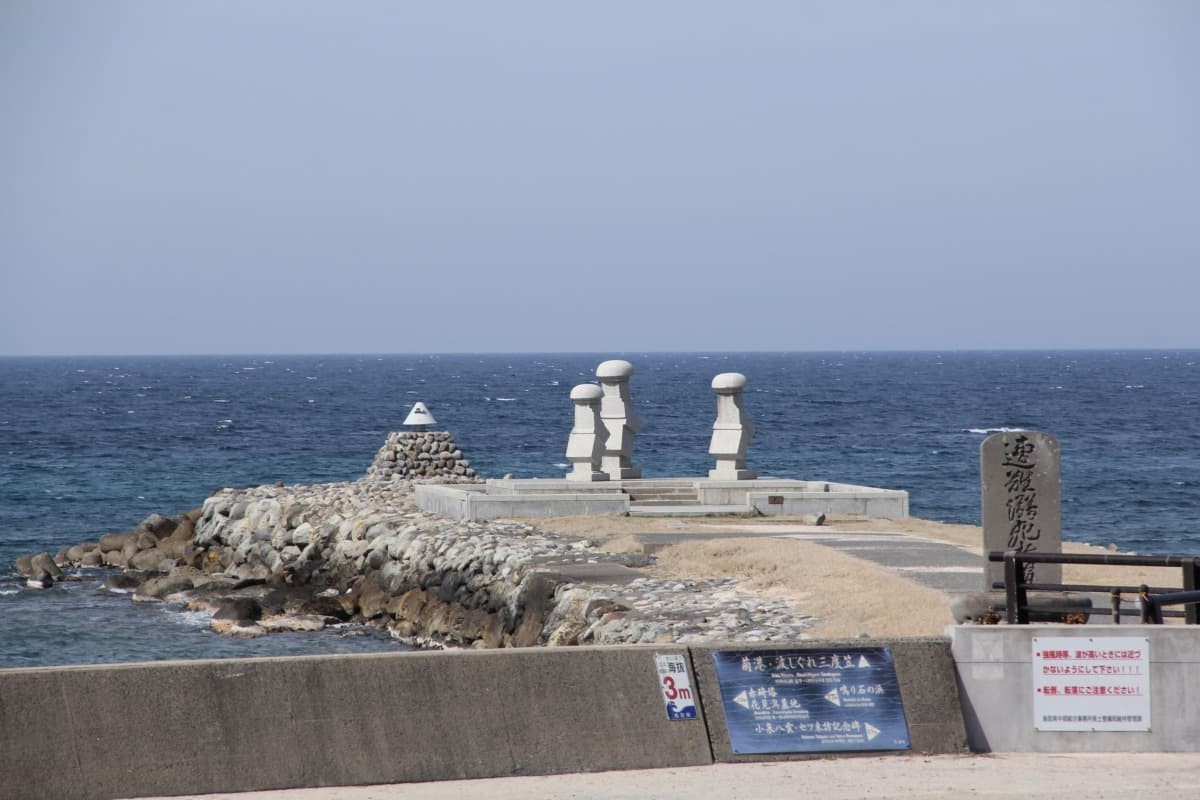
(401, 177)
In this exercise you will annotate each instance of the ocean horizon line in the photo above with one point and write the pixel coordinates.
(608, 353)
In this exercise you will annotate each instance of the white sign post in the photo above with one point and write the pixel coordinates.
(676, 686)
(1097, 683)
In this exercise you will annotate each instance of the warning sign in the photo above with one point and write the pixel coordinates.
(1099, 683)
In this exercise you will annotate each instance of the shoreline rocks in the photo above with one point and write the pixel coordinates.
(295, 558)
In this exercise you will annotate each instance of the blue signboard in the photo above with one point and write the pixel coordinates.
(811, 701)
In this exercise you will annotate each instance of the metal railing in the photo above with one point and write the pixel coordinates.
(1151, 600)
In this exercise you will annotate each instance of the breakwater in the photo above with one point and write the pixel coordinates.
(274, 558)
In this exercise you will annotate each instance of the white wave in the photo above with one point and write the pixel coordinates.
(991, 430)
(506, 399)
(220, 401)
(4, 592)
(1135, 386)
(192, 619)
(560, 465)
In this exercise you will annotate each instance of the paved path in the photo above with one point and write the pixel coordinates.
(940, 565)
(1157, 776)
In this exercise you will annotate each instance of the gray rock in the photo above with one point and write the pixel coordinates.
(43, 565)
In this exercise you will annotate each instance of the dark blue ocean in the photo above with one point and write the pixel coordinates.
(94, 445)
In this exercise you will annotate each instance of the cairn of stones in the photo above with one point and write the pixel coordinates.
(620, 420)
(420, 455)
(585, 445)
(732, 430)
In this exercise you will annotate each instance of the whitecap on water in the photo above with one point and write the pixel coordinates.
(560, 465)
(991, 430)
(4, 592)
(190, 619)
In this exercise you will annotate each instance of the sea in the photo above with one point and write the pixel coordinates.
(94, 445)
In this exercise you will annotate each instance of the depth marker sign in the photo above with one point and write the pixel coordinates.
(676, 686)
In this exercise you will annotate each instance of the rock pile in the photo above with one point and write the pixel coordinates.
(289, 558)
(408, 455)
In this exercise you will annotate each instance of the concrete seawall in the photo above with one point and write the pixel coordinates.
(996, 678)
(238, 725)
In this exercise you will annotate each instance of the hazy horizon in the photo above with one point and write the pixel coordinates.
(609, 354)
(298, 177)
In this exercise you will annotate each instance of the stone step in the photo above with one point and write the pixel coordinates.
(661, 502)
(690, 511)
(639, 494)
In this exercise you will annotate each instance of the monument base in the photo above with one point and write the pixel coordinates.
(558, 497)
(587, 477)
(719, 474)
(624, 473)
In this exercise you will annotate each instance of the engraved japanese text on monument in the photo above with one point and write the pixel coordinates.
(1020, 479)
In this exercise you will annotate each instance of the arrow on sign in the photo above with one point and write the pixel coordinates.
(834, 697)
(742, 701)
(872, 731)
(863, 663)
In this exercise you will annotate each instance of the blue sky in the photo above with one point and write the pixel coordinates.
(300, 177)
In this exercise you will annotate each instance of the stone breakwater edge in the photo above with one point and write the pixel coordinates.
(271, 559)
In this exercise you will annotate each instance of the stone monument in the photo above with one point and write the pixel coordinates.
(620, 420)
(419, 417)
(1022, 501)
(732, 430)
(585, 445)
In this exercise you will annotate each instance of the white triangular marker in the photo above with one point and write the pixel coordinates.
(742, 701)
(834, 697)
(872, 731)
(863, 663)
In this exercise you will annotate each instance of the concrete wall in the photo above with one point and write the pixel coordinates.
(93, 733)
(995, 673)
(805, 497)
(473, 504)
(924, 669)
(883, 504)
(239, 725)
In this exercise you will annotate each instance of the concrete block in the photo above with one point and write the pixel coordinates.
(924, 669)
(995, 673)
(92, 733)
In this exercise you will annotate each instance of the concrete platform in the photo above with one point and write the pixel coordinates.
(534, 498)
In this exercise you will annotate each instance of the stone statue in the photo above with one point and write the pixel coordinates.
(622, 423)
(732, 430)
(585, 445)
